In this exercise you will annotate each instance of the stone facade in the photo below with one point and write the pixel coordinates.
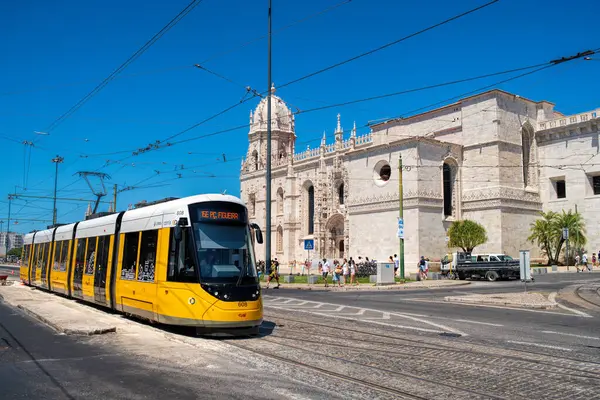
(493, 157)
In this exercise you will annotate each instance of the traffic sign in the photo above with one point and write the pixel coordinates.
(400, 223)
(309, 244)
(565, 233)
(400, 233)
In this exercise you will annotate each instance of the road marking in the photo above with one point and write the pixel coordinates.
(571, 334)
(540, 345)
(552, 298)
(285, 305)
(536, 310)
(476, 322)
(359, 312)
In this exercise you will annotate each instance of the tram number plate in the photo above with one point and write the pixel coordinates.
(242, 304)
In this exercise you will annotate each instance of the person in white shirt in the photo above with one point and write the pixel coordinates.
(325, 270)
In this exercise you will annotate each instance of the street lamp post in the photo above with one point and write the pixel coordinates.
(268, 172)
(57, 160)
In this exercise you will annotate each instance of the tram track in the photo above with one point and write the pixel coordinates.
(458, 358)
(419, 344)
(586, 298)
(352, 380)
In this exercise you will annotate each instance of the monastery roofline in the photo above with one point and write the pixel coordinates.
(499, 91)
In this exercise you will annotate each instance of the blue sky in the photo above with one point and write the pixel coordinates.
(56, 52)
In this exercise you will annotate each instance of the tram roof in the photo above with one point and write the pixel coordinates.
(28, 238)
(64, 232)
(166, 214)
(44, 236)
(97, 227)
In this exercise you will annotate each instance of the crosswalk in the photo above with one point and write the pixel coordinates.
(397, 320)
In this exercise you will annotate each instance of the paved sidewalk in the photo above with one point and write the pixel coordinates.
(429, 284)
(526, 300)
(55, 311)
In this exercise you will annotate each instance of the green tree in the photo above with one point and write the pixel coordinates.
(547, 233)
(466, 234)
(15, 252)
(543, 232)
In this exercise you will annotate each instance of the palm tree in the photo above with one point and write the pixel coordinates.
(574, 223)
(543, 232)
(547, 233)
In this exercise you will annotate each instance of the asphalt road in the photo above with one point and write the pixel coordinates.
(559, 327)
(38, 363)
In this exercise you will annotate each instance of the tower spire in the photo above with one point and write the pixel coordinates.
(338, 129)
(353, 134)
(324, 139)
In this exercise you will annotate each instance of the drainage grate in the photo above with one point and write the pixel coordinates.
(450, 334)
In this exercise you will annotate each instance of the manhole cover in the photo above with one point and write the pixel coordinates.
(450, 334)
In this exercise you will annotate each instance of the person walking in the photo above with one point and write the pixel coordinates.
(422, 267)
(584, 261)
(346, 271)
(337, 274)
(352, 266)
(325, 270)
(274, 274)
(577, 262)
(396, 264)
(593, 260)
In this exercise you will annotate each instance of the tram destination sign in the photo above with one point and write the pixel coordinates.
(220, 213)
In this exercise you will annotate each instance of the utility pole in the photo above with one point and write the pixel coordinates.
(115, 198)
(577, 238)
(2, 231)
(10, 197)
(268, 173)
(401, 212)
(57, 160)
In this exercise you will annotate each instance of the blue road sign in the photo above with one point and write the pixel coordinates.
(309, 244)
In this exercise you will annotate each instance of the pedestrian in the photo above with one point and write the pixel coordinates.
(274, 274)
(325, 270)
(396, 264)
(337, 274)
(346, 271)
(422, 266)
(577, 262)
(352, 265)
(593, 260)
(584, 260)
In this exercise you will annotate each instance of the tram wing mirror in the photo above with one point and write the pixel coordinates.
(258, 233)
(178, 230)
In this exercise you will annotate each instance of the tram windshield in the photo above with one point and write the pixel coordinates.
(223, 246)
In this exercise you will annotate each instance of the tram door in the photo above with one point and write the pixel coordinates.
(46, 264)
(78, 270)
(33, 264)
(102, 260)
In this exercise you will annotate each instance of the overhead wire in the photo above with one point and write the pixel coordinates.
(193, 4)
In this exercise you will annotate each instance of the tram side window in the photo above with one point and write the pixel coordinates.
(102, 255)
(147, 256)
(181, 264)
(64, 253)
(57, 253)
(44, 257)
(79, 258)
(34, 257)
(90, 256)
(130, 255)
(25, 261)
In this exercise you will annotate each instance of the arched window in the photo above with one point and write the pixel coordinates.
(280, 201)
(255, 159)
(279, 245)
(528, 149)
(448, 189)
(341, 194)
(311, 210)
(252, 204)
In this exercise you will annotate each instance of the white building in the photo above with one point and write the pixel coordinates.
(15, 240)
(496, 158)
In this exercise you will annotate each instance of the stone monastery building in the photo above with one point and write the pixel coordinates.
(496, 158)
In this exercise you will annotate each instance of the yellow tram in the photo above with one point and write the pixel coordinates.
(186, 261)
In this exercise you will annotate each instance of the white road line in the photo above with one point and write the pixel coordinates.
(535, 310)
(476, 322)
(360, 312)
(424, 320)
(552, 298)
(540, 345)
(571, 334)
(383, 316)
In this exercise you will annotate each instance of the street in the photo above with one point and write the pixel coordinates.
(408, 344)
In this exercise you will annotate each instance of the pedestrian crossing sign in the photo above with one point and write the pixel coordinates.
(309, 244)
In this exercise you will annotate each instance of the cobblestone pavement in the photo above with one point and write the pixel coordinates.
(432, 362)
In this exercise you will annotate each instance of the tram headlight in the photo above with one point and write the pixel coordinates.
(225, 296)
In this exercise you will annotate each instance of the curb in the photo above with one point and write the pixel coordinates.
(549, 306)
(366, 288)
(66, 331)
